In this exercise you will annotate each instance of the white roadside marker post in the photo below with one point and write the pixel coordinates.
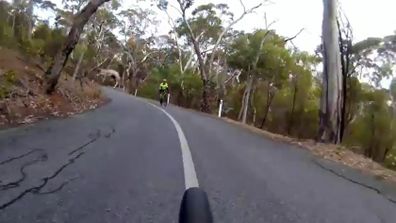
(220, 108)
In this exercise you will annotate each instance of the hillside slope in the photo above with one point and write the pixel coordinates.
(22, 99)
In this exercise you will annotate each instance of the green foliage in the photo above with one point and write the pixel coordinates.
(6, 36)
(14, 32)
(273, 60)
(7, 80)
(45, 42)
(374, 58)
(393, 89)
(233, 100)
(373, 130)
(205, 22)
(390, 160)
(10, 76)
(6, 31)
(185, 89)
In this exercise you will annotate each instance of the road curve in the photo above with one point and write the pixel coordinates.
(123, 163)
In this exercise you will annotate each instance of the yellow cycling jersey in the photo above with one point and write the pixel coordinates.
(163, 86)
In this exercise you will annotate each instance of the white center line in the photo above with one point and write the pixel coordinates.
(190, 176)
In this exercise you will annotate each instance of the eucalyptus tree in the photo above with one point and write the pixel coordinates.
(331, 100)
(54, 71)
(204, 30)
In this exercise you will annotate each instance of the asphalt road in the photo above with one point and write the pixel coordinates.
(123, 163)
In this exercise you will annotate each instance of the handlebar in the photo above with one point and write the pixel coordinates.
(195, 207)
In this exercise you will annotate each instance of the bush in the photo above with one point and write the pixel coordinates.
(185, 89)
(6, 36)
(45, 42)
(35, 47)
(6, 32)
(7, 81)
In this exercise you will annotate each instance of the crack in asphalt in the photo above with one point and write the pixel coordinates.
(16, 183)
(58, 188)
(83, 146)
(354, 181)
(95, 138)
(45, 180)
(20, 156)
(110, 133)
(37, 190)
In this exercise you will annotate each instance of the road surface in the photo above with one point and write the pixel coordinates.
(123, 163)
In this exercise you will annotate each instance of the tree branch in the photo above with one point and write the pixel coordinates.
(183, 13)
(173, 25)
(146, 57)
(295, 36)
(243, 5)
(177, 9)
(221, 36)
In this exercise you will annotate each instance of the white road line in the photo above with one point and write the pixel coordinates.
(190, 176)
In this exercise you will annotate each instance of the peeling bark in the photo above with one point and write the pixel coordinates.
(331, 101)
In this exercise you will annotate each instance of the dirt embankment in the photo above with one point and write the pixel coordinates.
(335, 153)
(22, 99)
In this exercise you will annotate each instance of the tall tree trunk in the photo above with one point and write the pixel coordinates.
(205, 82)
(291, 120)
(242, 104)
(253, 106)
(75, 73)
(221, 89)
(130, 82)
(369, 153)
(126, 76)
(204, 76)
(13, 24)
(270, 97)
(331, 101)
(30, 9)
(267, 108)
(54, 71)
(344, 117)
(394, 109)
(205, 97)
(345, 44)
(247, 99)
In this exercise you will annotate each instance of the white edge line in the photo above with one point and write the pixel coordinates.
(190, 176)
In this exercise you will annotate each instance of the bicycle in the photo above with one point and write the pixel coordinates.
(163, 99)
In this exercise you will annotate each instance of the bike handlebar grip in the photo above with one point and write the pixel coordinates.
(195, 207)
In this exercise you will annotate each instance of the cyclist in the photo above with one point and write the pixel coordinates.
(163, 91)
